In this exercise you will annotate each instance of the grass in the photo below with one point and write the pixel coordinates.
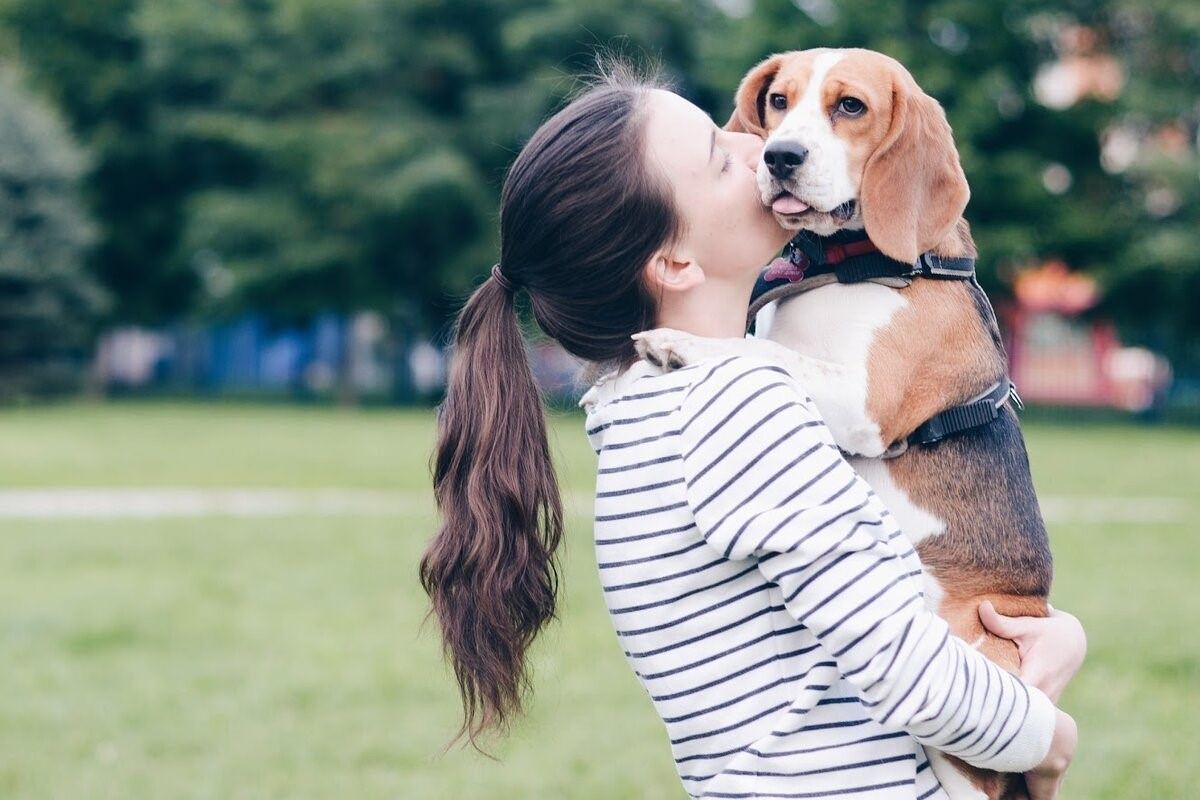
(283, 657)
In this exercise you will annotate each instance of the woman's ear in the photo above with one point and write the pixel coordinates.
(913, 188)
(666, 271)
(750, 102)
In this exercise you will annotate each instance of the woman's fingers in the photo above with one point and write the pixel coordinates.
(997, 623)
(1051, 648)
(1042, 787)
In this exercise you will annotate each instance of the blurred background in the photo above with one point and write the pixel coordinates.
(232, 237)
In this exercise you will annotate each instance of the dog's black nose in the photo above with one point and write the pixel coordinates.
(783, 157)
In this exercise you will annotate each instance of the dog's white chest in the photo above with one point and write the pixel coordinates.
(838, 323)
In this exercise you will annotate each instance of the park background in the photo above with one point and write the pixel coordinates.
(232, 237)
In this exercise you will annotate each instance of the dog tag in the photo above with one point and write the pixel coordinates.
(788, 269)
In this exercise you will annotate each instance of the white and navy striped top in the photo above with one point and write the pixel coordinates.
(771, 606)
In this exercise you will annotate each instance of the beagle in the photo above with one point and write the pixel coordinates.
(861, 162)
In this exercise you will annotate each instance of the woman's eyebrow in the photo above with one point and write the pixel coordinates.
(712, 145)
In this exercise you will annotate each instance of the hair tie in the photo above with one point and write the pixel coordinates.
(504, 282)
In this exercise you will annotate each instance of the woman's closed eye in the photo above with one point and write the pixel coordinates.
(728, 161)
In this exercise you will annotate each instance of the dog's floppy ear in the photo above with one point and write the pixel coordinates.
(750, 103)
(913, 188)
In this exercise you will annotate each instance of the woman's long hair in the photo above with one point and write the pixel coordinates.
(581, 213)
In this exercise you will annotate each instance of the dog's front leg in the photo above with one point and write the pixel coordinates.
(826, 381)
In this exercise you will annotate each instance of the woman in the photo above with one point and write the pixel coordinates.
(765, 598)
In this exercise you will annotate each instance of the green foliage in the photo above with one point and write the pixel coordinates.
(1155, 281)
(295, 155)
(47, 301)
(85, 55)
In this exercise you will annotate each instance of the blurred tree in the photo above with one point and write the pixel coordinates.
(1153, 148)
(87, 57)
(47, 302)
(348, 154)
(300, 155)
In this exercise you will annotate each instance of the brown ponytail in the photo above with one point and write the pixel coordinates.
(490, 571)
(580, 214)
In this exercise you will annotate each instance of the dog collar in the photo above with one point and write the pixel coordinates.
(848, 256)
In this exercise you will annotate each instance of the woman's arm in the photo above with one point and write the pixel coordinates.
(765, 481)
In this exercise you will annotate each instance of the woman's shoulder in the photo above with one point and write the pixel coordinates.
(715, 372)
(733, 393)
(739, 380)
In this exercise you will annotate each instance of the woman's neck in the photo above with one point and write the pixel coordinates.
(711, 309)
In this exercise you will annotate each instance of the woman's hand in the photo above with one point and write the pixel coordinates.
(1051, 648)
(1044, 780)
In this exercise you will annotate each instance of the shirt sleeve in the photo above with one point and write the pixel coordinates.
(765, 481)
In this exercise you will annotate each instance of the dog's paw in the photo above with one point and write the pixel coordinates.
(855, 437)
(667, 347)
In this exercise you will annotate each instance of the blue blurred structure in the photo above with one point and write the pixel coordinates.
(351, 357)
(245, 355)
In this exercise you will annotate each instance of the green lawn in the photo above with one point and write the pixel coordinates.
(283, 656)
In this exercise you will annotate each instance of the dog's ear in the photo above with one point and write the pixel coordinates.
(913, 188)
(750, 102)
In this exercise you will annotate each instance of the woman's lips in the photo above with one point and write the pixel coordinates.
(788, 204)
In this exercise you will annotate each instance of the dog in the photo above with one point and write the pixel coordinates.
(876, 312)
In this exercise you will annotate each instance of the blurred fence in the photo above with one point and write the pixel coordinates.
(358, 358)
(355, 357)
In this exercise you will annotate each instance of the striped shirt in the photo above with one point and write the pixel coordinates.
(769, 603)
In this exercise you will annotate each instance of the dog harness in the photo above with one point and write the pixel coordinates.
(810, 261)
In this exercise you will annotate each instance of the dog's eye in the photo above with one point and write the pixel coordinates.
(779, 101)
(851, 106)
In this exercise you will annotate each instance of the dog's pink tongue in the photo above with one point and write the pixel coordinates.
(788, 204)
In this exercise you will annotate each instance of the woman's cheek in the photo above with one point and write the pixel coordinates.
(751, 181)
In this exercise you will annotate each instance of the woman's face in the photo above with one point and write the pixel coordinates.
(730, 234)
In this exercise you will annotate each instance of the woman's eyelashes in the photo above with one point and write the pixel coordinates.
(728, 162)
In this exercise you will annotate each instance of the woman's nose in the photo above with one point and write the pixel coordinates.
(752, 148)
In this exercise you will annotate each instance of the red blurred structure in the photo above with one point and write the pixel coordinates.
(1056, 357)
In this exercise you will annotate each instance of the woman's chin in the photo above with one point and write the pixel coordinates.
(786, 234)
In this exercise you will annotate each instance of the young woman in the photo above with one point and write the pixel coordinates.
(766, 599)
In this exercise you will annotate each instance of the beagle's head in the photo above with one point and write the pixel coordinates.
(853, 142)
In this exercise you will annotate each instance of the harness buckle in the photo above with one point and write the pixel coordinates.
(1015, 398)
(926, 265)
(935, 265)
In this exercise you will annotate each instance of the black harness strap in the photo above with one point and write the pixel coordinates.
(973, 414)
(851, 257)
